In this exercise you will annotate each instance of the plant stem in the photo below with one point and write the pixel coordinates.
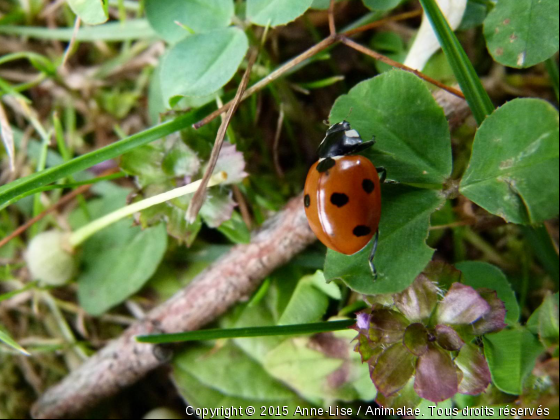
(387, 60)
(79, 236)
(278, 330)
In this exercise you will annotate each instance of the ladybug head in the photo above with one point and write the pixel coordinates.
(342, 140)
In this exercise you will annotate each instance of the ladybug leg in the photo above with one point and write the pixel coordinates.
(372, 255)
(382, 173)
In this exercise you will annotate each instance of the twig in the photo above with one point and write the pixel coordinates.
(275, 155)
(245, 214)
(64, 200)
(230, 279)
(70, 46)
(332, 24)
(381, 22)
(387, 60)
(198, 198)
(321, 46)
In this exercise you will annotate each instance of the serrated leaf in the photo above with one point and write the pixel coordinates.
(92, 12)
(511, 356)
(218, 55)
(513, 171)
(413, 140)
(436, 375)
(217, 208)
(402, 253)
(476, 374)
(479, 274)
(198, 15)
(276, 12)
(522, 33)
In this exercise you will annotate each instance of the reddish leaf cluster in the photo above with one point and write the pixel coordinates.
(422, 345)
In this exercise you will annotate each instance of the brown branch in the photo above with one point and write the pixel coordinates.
(232, 278)
(387, 60)
(321, 46)
(381, 22)
(332, 24)
(198, 198)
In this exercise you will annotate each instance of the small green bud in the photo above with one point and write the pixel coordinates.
(49, 259)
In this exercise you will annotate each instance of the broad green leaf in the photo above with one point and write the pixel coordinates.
(309, 300)
(522, 33)
(92, 12)
(218, 55)
(474, 15)
(544, 321)
(9, 341)
(382, 4)
(118, 261)
(276, 12)
(513, 171)
(511, 356)
(197, 15)
(402, 253)
(548, 320)
(211, 377)
(413, 140)
(480, 274)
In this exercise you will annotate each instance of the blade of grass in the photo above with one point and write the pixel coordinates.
(552, 69)
(9, 341)
(477, 98)
(216, 334)
(47, 176)
(64, 186)
(112, 31)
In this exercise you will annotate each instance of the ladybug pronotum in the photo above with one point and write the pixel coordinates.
(342, 194)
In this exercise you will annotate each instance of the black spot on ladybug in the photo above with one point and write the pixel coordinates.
(339, 199)
(368, 185)
(326, 164)
(361, 230)
(307, 200)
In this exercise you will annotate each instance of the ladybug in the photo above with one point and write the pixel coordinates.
(342, 195)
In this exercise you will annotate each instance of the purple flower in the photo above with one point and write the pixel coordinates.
(422, 346)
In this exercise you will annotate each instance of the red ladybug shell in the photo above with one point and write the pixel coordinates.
(343, 203)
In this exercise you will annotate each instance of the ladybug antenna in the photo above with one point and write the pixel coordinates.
(349, 113)
(327, 123)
